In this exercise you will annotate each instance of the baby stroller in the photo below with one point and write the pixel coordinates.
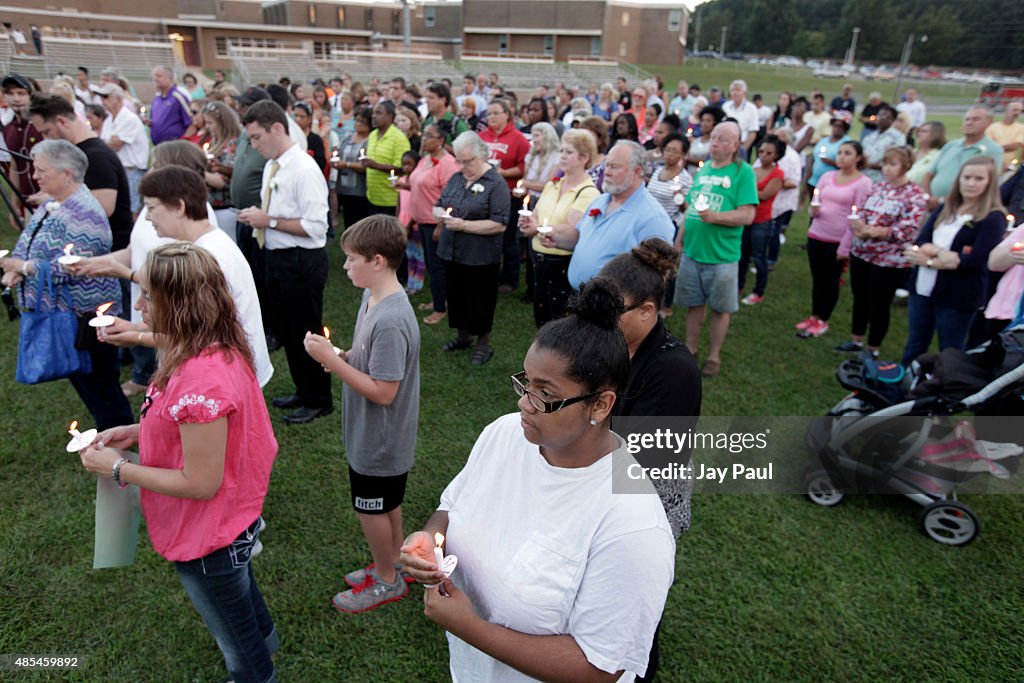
(896, 432)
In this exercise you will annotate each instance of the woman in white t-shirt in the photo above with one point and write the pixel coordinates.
(557, 575)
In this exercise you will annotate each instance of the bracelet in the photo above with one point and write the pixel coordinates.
(115, 473)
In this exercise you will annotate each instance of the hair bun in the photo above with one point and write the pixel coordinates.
(599, 303)
(658, 254)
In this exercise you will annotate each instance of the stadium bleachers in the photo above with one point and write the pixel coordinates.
(133, 59)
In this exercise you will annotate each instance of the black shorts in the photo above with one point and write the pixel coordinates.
(376, 495)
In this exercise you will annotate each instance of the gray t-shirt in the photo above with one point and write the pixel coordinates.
(380, 440)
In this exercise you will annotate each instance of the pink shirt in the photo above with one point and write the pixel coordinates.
(207, 387)
(1003, 304)
(832, 223)
(427, 180)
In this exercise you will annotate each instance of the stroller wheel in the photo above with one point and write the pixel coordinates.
(820, 490)
(949, 522)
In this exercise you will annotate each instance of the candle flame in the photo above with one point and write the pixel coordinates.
(206, 146)
(68, 247)
(853, 209)
(74, 426)
(526, 202)
(448, 211)
(327, 333)
(102, 308)
(439, 539)
(519, 184)
(1010, 218)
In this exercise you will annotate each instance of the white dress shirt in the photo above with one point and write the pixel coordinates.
(128, 127)
(745, 115)
(296, 134)
(300, 192)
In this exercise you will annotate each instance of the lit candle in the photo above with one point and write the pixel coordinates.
(816, 198)
(327, 336)
(448, 212)
(853, 213)
(438, 552)
(676, 111)
(206, 149)
(79, 440)
(1010, 221)
(68, 258)
(102, 319)
(525, 211)
(702, 203)
(362, 153)
(142, 112)
(519, 191)
(1017, 246)
(544, 228)
(700, 164)
(823, 151)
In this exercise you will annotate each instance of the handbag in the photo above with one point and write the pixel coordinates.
(46, 340)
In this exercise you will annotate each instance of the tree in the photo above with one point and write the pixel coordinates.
(943, 31)
(771, 26)
(878, 41)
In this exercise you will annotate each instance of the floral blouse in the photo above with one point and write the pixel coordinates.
(899, 209)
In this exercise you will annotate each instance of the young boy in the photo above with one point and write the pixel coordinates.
(381, 375)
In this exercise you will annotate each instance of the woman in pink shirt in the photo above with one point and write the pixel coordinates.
(835, 199)
(206, 448)
(425, 184)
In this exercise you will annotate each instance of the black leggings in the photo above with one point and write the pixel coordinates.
(825, 272)
(873, 290)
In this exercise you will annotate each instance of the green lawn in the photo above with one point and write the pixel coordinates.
(768, 587)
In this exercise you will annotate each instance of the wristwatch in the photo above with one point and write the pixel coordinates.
(273, 223)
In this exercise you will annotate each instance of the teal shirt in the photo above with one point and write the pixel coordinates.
(952, 158)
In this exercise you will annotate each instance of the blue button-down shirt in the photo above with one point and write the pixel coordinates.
(604, 236)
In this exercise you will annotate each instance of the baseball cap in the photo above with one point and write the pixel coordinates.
(16, 80)
(842, 116)
(108, 89)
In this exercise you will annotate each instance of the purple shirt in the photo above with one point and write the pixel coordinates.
(170, 116)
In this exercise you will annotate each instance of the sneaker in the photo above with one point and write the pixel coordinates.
(782, 239)
(902, 293)
(257, 547)
(358, 577)
(815, 329)
(805, 323)
(850, 346)
(752, 299)
(371, 595)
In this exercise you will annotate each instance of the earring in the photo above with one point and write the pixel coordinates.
(593, 421)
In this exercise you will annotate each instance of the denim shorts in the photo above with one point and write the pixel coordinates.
(712, 284)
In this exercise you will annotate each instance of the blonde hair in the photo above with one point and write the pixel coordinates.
(191, 308)
(987, 203)
(64, 90)
(548, 145)
(228, 128)
(583, 142)
(904, 155)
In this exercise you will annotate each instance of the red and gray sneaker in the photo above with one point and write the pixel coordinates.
(815, 329)
(357, 577)
(371, 595)
(805, 323)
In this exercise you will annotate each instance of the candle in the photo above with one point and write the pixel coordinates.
(1017, 246)
(519, 190)
(1010, 221)
(102, 319)
(676, 111)
(142, 112)
(68, 258)
(702, 203)
(853, 213)
(823, 151)
(206, 150)
(700, 164)
(327, 336)
(438, 552)
(79, 440)
(816, 197)
(448, 212)
(362, 153)
(525, 211)
(544, 228)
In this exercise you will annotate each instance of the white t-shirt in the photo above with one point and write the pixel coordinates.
(236, 272)
(916, 110)
(942, 237)
(546, 550)
(128, 127)
(764, 113)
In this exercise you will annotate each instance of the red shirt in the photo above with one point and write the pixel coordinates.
(21, 136)
(207, 387)
(763, 212)
(510, 147)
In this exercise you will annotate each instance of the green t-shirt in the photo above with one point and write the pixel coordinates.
(724, 189)
(386, 150)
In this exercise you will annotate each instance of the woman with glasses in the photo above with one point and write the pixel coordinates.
(224, 129)
(206, 449)
(350, 184)
(472, 210)
(570, 578)
(196, 132)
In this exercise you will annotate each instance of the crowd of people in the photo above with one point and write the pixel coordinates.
(208, 211)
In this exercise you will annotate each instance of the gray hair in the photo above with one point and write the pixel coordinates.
(739, 83)
(112, 72)
(471, 141)
(165, 69)
(580, 104)
(637, 154)
(63, 156)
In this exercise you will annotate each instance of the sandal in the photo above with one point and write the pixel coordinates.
(482, 355)
(457, 345)
(426, 306)
(434, 318)
(712, 368)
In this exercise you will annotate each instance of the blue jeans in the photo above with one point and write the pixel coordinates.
(223, 590)
(925, 318)
(755, 246)
(435, 267)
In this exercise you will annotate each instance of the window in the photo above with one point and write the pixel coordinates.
(430, 17)
(341, 17)
(625, 18)
(623, 50)
(675, 20)
(503, 42)
(369, 18)
(312, 14)
(396, 23)
(549, 45)
(222, 46)
(595, 46)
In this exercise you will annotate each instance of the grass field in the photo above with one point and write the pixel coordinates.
(768, 587)
(771, 80)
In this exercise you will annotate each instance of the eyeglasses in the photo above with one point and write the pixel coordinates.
(539, 403)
